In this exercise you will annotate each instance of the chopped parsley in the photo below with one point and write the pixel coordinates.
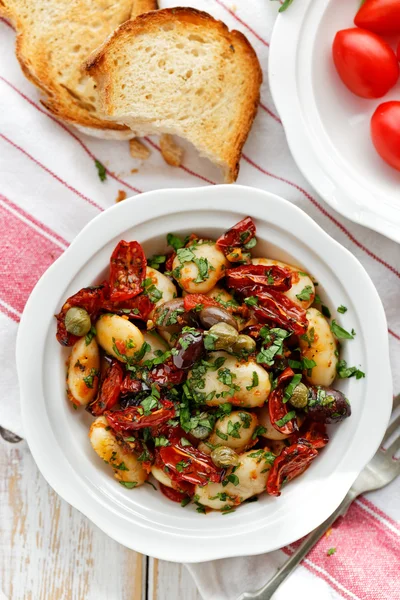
(185, 255)
(89, 379)
(121, 467)
(246, 419)
(101, 170)
(152, 484)
(90, 335)
(129, 484)
(221, 435)
(331, 551)
(266, 355)
(344, 372)
(181, 465)
(342, 309)
(288, 417)
(288, 393)
(185, 501)
(174, 241)
(254, 383)
(251, 243)
(204, 267)
(232, 478)
(161, 441)
(258, 431)
(341, 333)
(325, 311)
(151, 290)
(155, 261)
(209, 341)
(309, 337)
(251, 301)
(305, 293)
(233, 429)
(223, 410)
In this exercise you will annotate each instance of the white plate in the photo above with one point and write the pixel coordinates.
(328, 127)
(144, 519)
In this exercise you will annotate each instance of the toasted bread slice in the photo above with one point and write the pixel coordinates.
(179, 71)
(54, 38)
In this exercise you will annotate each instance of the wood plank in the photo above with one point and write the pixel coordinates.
(50, 551)
(170, 581)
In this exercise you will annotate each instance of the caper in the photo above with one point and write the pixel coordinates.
(200, 432)
(224, 336)
(244, 343)
(299, 397)
(77, 321)
(223, 456)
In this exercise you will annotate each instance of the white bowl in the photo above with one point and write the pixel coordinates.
(144, 519)
(328, 127)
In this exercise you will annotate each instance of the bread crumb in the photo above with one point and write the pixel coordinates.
(172, 153)
(121, 196)
(329, 532)
(138, 150)
(134, 171)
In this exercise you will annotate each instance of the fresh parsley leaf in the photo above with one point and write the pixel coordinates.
(161, 441)
(344, 372)
(89, 379)
(232, 478)
(342, 309)
(288, 393)
(254, 383)
(251, 301)
(90, 335)
(174, 241)
(341, 333)
(288, 417)
(285, 5)
(185, 255)
(258, 431)
(204, 267)
(306, 293)
(148, 404)
(129, 484)
(101, 170)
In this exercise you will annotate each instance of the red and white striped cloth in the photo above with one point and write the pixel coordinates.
(49, 189)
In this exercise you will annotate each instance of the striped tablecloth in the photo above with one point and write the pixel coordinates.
(49, 189)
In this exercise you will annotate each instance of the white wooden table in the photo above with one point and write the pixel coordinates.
(50, 551)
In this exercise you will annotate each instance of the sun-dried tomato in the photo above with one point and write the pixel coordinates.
(189, 464)
(238, 235)
(127, 271)
(110, 389)
(134, 417)
(291, 463)
(277, 408)
(272, 277)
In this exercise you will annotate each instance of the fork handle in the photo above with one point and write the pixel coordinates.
(267, 591)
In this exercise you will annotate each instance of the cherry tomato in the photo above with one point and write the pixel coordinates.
(277, 408)
(133, 418)
(385, 132)
(366, 64)
(291, 463)
(239, 235)
(110, 389)
(170, 260)
(274, 306)
(190, 464)
(127, 271)
(192, 301)
(379, 16)
(91, 299)
(274, 277)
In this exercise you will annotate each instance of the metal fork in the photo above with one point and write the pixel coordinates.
(381, 470)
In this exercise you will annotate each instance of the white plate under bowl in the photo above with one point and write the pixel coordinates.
(144, 519)
(328, 127)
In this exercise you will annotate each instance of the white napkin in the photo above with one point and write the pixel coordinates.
(49, 189)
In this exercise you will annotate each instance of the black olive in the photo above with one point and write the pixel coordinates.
(189, 349)
(327, 405)
(171, 316)
(211, 315)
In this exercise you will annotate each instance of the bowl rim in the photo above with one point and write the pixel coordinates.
(332, 182)
(41, 438)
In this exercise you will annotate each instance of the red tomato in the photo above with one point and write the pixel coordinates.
(110, 390)
(379, 16)
(366, 64)
(172, 494)
(278, 278)
(385, 132)
(127, 271)
(291, 463)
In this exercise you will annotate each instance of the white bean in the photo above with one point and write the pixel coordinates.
(252, 475)
(124, 463)
(208, 257)
(300, 281)
(163, 285)
(83, 372)
(161, 476)
(234, 430)
(250, 385)
(156, 343)
(320, 347)
(128, 338)
(264, 420)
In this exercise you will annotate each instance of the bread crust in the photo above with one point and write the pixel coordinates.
(97, 67)
(58, 99)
